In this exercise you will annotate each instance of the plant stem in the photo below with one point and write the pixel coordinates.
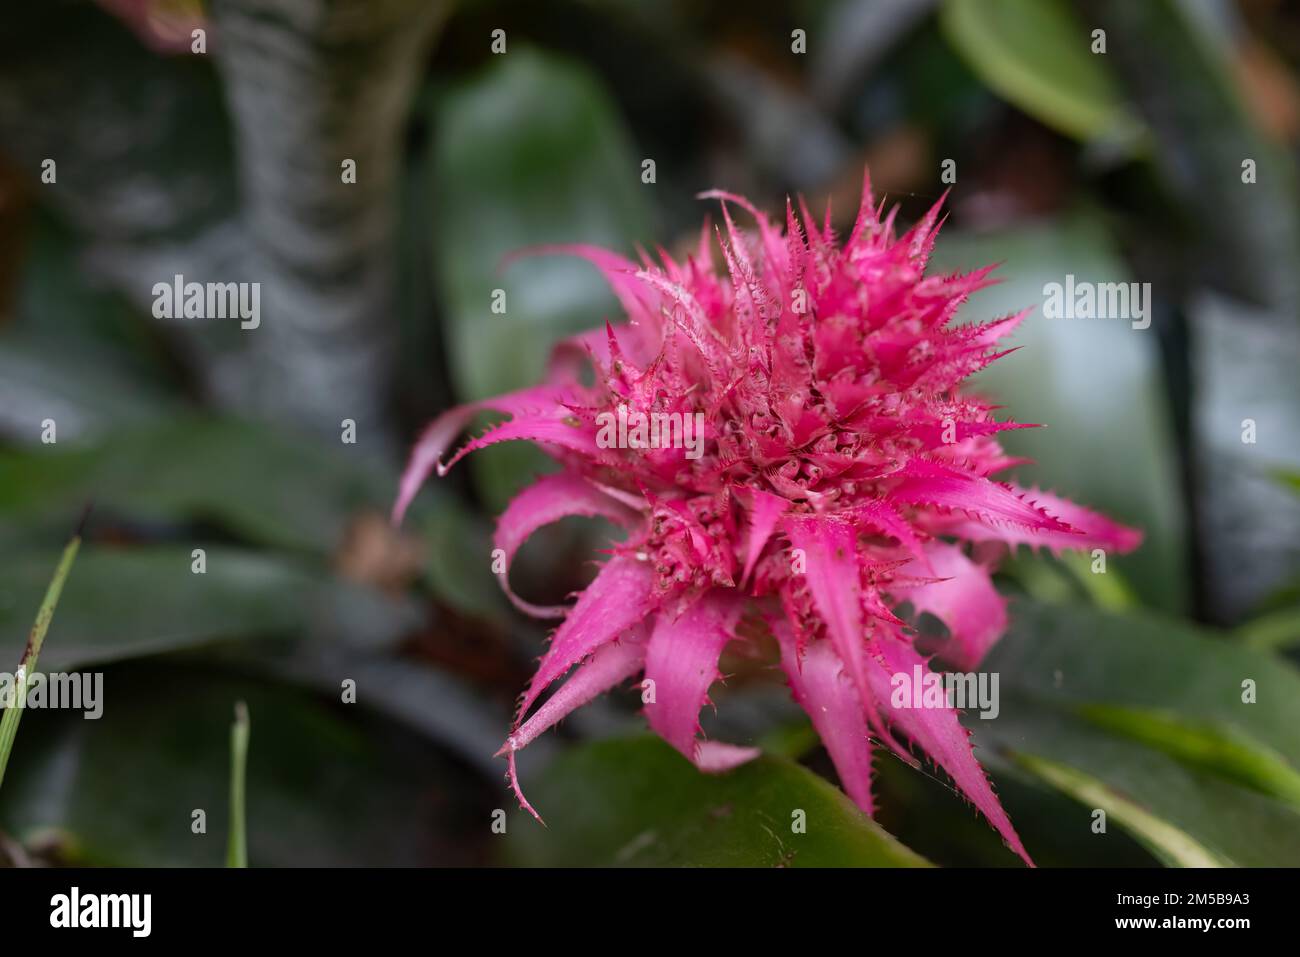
(237, 848)
(13, 710)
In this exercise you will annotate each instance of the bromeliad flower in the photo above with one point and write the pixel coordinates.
(786, 442)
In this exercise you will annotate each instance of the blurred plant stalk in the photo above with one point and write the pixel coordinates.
(13, 711)
(237, 846)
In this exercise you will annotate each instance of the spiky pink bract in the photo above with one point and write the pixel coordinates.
(843, 471)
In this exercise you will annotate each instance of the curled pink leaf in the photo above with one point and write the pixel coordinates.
(548, 500)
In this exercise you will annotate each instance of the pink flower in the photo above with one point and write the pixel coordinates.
(840, 473)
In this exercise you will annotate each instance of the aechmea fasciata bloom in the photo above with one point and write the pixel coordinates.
(841, 473)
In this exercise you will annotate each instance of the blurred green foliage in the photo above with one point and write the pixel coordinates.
(1114, 697)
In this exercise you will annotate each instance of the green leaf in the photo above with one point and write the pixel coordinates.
(1077, 377)
(328, 785)
(1037, 55)
(1152, 711)
(1073, 655)
(67, 316)
(921, 807)
(529, 152)
(257, 482)
(1275, 630)
(83, 396)
(73, 351)
(1171, 845)
(1107, 589)
(1288, 478)
(453, 536)
(1221, 750)
(128, 602)
(637, 802)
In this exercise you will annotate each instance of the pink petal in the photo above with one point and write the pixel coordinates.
(773, 242)
(1087, 528)
(822, 689)
(832, 574)
(714, 757)
(611, 664)
(682, 661)
(764, 299)
(964, 600)
(931, 433)
(572, 356)
(885, 518)
(529, 406)
(764, 511)
(938, 732)
(620, 596)
(695, 324)
(920, 238)
(991, 332)
(929, 483)
(554, 425)
(868, 220)
(550, 499)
